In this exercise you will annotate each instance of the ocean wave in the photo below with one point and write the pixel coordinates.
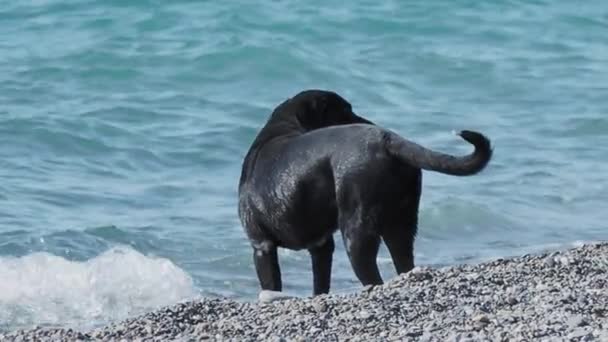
(45, 289)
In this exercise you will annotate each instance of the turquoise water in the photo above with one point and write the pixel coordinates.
(123, 127)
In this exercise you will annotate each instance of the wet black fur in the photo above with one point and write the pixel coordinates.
(317, 167)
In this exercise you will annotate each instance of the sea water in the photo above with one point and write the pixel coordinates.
(123, 126)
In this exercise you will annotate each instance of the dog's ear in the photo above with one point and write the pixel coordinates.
(339, 111)
(311, 113)
(317, 109)
(318, 105)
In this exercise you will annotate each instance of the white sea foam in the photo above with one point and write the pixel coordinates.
(44, 289)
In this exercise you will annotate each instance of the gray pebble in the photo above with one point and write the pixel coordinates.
(549, 261)
(577, 321)
(512, 301)
(564, 261)
(319, 307)
(582, 333)
(365, 314)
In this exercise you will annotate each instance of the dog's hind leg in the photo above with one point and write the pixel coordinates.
(400, 244)
(362, 249)
(400, 232)
(321, 256)
(266, 260)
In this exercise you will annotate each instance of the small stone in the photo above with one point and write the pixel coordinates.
(577, 321)
(563, 260)
(266, 296)
(542, 287)
(473, 276)
(549, 262)
(365, 314)
(585, 334)
(600, 312)
(603, 336)
(201, 327)
(414, 332)
(456, 337)
(319, 307)
(419, 274)
(368, 288)
(481, 319)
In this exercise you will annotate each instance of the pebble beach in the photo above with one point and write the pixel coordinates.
(553, 296)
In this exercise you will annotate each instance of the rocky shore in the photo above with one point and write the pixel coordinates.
(557, 296)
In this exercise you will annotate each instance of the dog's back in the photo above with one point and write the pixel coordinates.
(300, 185)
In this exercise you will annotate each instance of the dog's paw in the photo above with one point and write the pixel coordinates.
(266, 296)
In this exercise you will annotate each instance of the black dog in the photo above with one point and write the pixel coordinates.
(316, 166)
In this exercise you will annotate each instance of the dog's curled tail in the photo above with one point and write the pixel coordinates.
(424, 158)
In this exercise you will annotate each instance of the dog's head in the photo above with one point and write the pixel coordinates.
(316, 109)
(307, 111)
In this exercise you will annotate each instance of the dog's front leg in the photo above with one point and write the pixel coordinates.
(321, 265)
(266, 262)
